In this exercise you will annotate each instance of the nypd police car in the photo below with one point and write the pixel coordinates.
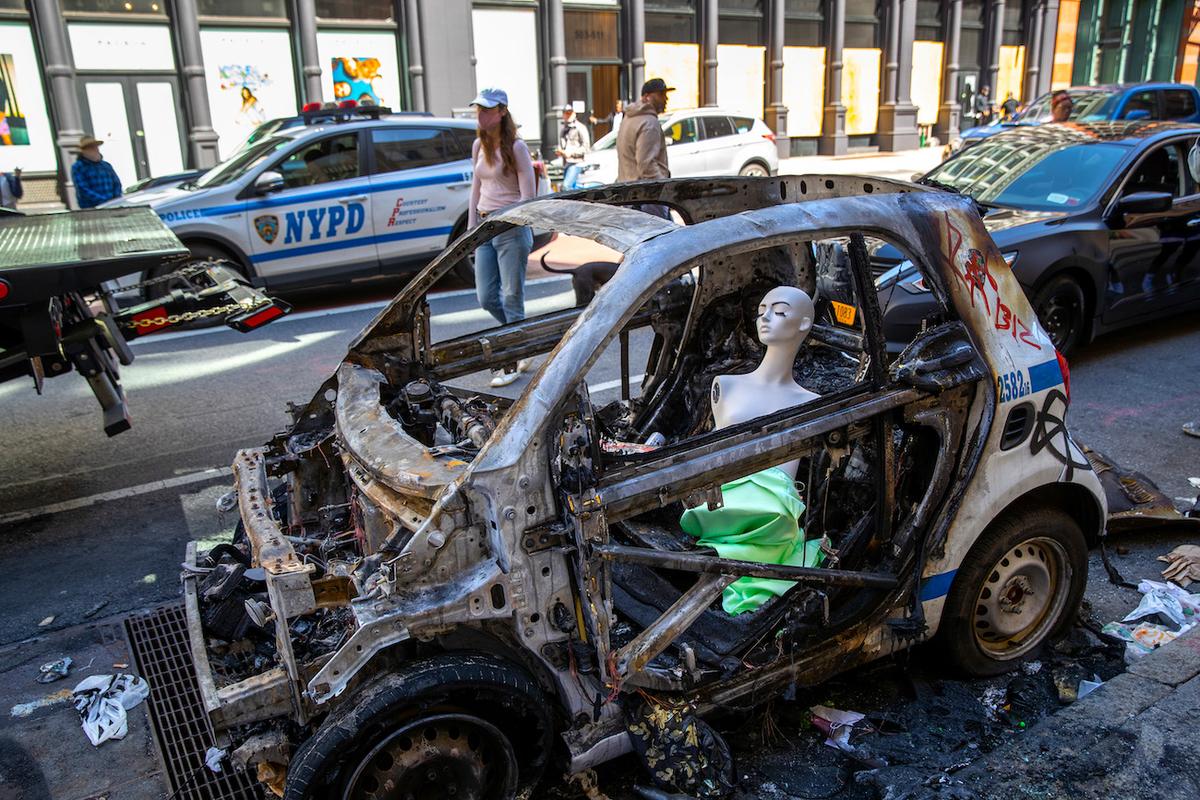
(351, 197)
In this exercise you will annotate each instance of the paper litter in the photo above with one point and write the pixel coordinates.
(54, 670)
(102, 702)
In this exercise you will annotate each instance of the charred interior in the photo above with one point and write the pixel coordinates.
(372, 535)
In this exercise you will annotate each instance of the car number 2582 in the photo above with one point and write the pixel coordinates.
(1012, 385)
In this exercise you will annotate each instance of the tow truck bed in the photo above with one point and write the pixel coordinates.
(45, 255)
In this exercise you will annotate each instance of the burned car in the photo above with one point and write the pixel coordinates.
(437, 592)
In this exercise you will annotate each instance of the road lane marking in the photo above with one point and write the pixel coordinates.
(603, 387)
(115, 494)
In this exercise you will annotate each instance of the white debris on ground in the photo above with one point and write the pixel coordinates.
(102, 702)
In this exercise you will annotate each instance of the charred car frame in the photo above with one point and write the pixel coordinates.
(432, 587)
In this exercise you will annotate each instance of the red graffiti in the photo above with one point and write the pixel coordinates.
(976, 277)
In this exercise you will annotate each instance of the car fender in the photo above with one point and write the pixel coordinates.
(1083, 251)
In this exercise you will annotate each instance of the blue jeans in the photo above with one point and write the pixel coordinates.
(571, 174)
(500, 266)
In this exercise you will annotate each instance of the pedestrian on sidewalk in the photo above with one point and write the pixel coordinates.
(1009, 107)
(95, 180)
(641, 145)
(10, 189)
(983, 106)
(573, 145)
(613, 119)
(502, 175)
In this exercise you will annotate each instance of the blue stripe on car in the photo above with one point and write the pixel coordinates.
(1045, 375)
(325, 194)
(341, 244)
(936, 586)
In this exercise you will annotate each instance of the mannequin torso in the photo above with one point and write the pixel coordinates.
(784, 320)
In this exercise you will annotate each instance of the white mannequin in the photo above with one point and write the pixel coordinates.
(785, 317)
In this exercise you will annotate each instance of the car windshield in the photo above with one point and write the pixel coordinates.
(1034, 173)
(237, 166)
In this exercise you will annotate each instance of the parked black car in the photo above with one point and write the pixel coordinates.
(1100, 223)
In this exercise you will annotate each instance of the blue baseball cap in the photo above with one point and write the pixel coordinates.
(490, 98)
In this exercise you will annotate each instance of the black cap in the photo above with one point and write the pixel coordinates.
(656, 85)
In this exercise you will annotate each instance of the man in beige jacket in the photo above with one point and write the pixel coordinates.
(641, 146)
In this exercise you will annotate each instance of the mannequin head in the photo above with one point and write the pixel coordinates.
(785, 316)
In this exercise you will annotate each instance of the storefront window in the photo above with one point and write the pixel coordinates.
(929, 20)
(739, 5)
(374, 10)
(154, 7)
(805, 23)
(670, 27)
(862, 23)
(241, 8)
(1013, 24)
(739, 30)
(12, 5)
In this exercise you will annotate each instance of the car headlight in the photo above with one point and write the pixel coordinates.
(912, 281)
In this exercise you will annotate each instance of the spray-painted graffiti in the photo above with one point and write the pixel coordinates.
(1050, 434)
(974, 274)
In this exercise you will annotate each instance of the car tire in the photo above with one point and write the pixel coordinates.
(1019, 586)
(754, 169)
(1061, 309)
(479, 719)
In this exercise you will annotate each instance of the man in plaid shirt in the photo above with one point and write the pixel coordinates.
(95, 179)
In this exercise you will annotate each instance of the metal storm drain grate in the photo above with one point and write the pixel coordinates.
(163, 656)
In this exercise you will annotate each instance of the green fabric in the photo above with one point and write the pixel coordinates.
(758, 522)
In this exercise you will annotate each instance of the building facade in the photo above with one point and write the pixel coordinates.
(179, 84)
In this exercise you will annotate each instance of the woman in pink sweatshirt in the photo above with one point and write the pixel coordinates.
(502, 175)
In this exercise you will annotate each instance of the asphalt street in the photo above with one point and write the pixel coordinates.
(86, 520)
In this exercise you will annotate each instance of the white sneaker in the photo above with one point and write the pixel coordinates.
(502, 377)
(523, 365)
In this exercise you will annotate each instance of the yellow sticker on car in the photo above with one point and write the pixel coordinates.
(843, 313)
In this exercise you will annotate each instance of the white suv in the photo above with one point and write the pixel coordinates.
(343, 199)
(704, 141)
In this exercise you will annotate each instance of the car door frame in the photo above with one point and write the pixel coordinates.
(718, 156)
(689, 153)
(256, 203)
(1183, 209)
(686, 469)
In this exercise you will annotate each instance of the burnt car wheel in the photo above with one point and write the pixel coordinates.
(1061, 309)
(443, 755)
(1019, 586)
(474, 724)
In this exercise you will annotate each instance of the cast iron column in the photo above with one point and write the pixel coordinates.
(637, 46)
(708, 46)
(833, 117)
(776, 111)
(60, 73)
(1049, 39)
(995, 37)
(949, 111)
(310, 62)
(558, 67)
(191, 62)
(898, 116)
(416, 64)
(891, 53)
(1033, 54)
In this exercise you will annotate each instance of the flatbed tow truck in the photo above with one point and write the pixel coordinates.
(57, 312)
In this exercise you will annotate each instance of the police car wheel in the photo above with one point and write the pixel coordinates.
(464, 270)
(1019, 586)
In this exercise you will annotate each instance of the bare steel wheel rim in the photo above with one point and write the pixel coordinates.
(434, 758)
(1021, 598)
(1060, 314)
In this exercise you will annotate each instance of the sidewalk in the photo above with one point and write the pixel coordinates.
(1132, 737)
(899, 166)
